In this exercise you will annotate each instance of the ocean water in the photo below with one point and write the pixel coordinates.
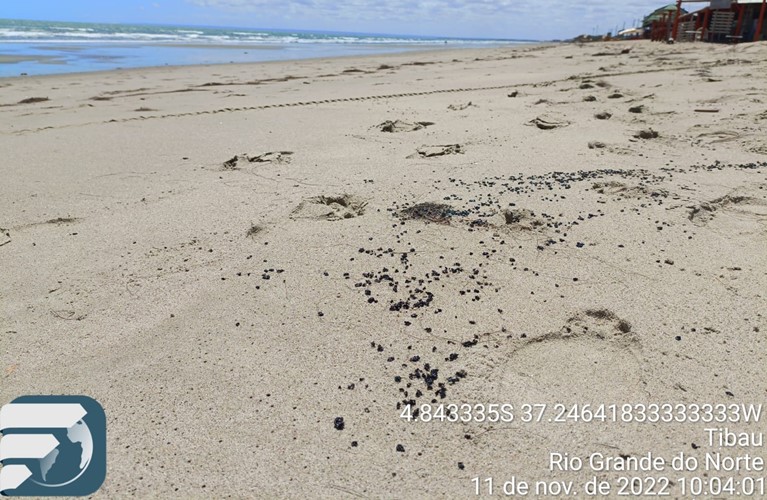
(42, 47)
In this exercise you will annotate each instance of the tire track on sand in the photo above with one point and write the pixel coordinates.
(355, 99)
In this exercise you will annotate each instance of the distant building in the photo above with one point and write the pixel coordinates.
(664, 13)
(751, 14)
(723, 21)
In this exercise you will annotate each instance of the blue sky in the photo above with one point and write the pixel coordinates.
(529, 19)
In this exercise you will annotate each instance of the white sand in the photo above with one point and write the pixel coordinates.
(128, 273)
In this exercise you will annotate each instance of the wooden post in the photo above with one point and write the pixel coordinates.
(739, 27)
(705, 23)
(760, 23)
(676, 19)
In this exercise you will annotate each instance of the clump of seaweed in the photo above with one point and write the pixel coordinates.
(522, 219)
(32, 100)
(433, 212)
(62, 220)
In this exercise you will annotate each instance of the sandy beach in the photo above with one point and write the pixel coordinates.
(256, 268)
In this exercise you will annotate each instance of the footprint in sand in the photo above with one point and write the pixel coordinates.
(743, 210)
(622, 190)
(330, 208)
(438, 150)
(401, 126)
(718, 136)
(237, 162)
(461, 107)
(593, 357)
(548, 122)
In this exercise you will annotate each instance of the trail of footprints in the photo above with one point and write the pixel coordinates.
(358, 99)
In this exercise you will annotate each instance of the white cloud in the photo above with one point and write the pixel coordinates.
(491, 18)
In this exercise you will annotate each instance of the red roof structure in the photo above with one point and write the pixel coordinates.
(729, 21)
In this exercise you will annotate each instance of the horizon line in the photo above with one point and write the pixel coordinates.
(391, 35)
